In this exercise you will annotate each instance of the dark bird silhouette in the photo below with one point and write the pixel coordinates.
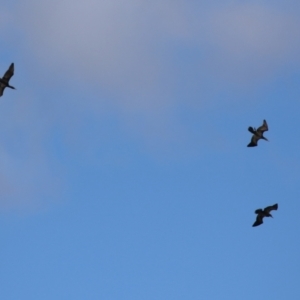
(264, 213)
(4, 81)
(258, 134)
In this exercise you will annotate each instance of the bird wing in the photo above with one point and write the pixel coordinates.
(254, 140)
(9, 73)
(2, 87)
(259, 220)
(263, 127)
(258, 211)
(272, 207)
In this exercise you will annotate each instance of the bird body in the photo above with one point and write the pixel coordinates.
(4, 81)
(261, 213)
(258, 134)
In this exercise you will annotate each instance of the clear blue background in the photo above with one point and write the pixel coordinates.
(124, 171)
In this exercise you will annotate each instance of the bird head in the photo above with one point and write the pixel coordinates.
(252, 130)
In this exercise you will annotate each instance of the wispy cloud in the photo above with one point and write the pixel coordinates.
(145, 61)
(255, 41)
(131, 48)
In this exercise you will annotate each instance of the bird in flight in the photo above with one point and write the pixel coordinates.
(4, 81)
(264, 213)
(258, 134)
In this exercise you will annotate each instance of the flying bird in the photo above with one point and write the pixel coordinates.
(258, 134)
(264, 213)
(4, 81)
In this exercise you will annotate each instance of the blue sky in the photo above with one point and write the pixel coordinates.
(124, 170)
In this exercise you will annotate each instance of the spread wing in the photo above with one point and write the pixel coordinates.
(272, 207)
(263, 127)
(2, 87)
(259, 220)
(9, 73)
(254, 140)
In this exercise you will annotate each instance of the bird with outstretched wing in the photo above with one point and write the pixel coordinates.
(4, 81)
(258, 134)
(261, 213)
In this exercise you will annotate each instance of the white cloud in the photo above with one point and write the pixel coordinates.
(127, 47)
(108, 43)
(141, 54)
